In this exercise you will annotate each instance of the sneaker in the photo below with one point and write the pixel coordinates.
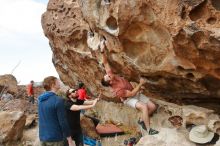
(141, 123)
(152, 132)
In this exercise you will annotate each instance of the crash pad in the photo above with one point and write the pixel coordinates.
(108, 130)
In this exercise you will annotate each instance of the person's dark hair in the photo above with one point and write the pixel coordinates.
(68, 92)
(105, 83)
(80, 85)
(32, 81)
(48, 82)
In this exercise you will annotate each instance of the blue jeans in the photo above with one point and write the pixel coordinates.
(31, 99)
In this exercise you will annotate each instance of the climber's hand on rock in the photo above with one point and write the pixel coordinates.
(142, 80)
(102, 45)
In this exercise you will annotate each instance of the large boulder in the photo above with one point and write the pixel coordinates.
(8, 83)
(19, 105)
(12, 125)
(174, 44)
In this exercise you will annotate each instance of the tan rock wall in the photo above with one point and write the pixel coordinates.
(175, 44)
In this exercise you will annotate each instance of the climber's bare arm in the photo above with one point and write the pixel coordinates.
(134, 92)
(105, 60)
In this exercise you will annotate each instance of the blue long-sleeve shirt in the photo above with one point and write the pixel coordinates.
(53, 124)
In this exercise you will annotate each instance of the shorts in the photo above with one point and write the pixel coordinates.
(133, 100)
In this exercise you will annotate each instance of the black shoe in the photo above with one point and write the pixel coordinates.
(141, 123)
(152, 131)
(107, 2)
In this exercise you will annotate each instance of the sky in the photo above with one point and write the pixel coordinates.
(24, 50)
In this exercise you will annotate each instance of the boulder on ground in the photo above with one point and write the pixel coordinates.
(12, 125)
(8, 82)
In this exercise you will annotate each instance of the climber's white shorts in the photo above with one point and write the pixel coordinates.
(133, 100)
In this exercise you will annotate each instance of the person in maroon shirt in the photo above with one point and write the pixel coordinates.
(130, 96)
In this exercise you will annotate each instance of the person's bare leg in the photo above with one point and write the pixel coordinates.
(151, 107)
(145, 115)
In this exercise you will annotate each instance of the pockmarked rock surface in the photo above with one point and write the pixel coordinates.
(175, 44)
(88, 128)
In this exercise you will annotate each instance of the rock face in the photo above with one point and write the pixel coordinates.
(175, 44)
(12, 125)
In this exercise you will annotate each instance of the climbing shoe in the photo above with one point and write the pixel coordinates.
(141, 123)
(152, 132)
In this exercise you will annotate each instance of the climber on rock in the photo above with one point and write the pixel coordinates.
(129, 95)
